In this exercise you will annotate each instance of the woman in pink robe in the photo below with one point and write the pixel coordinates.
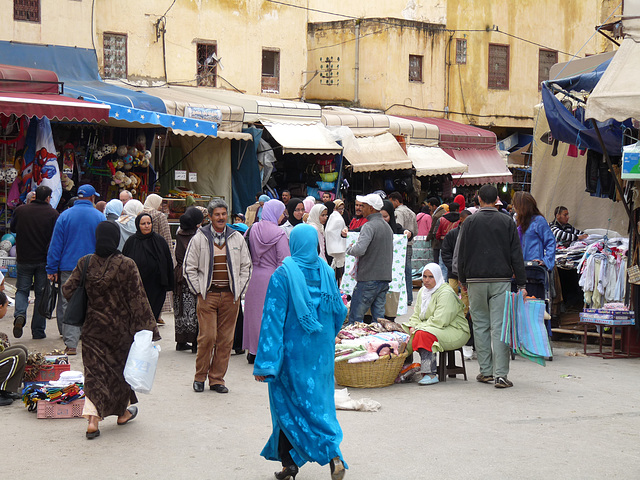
(269, 246)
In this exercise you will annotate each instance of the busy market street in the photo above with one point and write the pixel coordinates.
(559, 422)
(312, 239)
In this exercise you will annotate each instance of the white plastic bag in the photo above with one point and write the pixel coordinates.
(345, 402)
(140, 369)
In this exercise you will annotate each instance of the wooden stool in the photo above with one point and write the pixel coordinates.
(447, 365)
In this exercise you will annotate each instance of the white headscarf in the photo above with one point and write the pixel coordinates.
(434, 268)
(314, 217)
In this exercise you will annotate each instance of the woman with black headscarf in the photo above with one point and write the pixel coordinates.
(153, 258)
(117, 308)
(184, 302)
(295, 209)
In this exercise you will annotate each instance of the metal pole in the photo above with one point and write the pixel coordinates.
(356, 88)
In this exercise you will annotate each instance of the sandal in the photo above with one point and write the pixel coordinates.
(92, 435)
(133, 410)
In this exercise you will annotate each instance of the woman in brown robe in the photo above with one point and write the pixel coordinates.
(117, 309)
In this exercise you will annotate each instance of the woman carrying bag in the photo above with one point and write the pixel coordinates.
(117, 308)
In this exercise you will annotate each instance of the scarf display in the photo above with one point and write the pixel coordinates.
(434, 268)
(303, 243)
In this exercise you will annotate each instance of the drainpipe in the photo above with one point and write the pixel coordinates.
(356, 100)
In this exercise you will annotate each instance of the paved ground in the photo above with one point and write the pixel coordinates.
(548, 426)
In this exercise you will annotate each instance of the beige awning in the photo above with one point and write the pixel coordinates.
(617, 94)
(303, 139)
(433, 161)
(183, 101)
(257, 107)
(380, 152)
(418, 133)
(366, 124)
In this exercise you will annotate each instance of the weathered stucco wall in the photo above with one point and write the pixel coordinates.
(563, 26)
(385, 46)
(239, 28)
(429, 11)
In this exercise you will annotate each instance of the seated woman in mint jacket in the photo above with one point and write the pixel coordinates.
(438, 323)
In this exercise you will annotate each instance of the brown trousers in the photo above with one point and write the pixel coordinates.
(217, 314)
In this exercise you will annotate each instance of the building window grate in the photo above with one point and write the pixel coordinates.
(207, 61)
(461, 51)
(546, 60)
(415, 68)
(115, 55)
(498, 67)
(26, 10)
(270, 71)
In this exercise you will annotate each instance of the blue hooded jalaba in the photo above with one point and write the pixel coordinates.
(302, 315)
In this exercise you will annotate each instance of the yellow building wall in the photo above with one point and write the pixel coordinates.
(384, 47)
(62, 22)
(428, 11)
(567, 26)
(240, 30)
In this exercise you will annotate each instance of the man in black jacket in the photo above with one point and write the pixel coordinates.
(489, 254)
(33, 225)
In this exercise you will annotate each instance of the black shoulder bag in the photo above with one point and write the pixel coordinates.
(77, 306)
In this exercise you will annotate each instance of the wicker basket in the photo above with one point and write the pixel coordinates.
(380, 373)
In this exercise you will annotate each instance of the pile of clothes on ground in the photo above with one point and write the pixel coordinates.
(68, 388)
(361, 342)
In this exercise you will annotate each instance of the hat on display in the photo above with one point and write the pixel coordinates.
(371, 199)
(86, 191)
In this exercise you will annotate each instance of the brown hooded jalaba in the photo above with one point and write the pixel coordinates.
(117, 308)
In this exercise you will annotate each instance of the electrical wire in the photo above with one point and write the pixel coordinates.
(515, 117)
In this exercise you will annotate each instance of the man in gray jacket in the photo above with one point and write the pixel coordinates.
(374, 249)
(217, 266)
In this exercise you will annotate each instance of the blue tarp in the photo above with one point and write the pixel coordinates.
(78, 69)
(571, 127)
(245, 173)
(583, 82)
(173, 122)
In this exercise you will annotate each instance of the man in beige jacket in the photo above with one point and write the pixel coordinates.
(217, 267)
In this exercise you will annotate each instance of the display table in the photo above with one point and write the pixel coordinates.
(617, 321)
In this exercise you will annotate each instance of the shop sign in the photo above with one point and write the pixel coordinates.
(180, 174)
(631, 162)
(209, 114)
(193, 177)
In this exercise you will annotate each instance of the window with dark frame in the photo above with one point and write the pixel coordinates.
(115, 55)
(26, 10)
(415, 68)
(498, 67)
(461, 51)
(270, 70)
(546, 60)
(207, 64)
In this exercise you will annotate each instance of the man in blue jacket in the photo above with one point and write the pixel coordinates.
(74, 236)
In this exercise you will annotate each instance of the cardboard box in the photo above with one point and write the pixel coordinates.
(58, 410)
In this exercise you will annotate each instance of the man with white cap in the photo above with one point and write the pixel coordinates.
(74, 236)
(374, 249)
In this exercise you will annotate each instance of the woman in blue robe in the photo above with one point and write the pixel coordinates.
(302, 315)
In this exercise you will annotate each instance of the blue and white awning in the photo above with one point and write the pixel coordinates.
(129, 116)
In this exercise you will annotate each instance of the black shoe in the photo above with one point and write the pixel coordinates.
(337, 469)
(198, 386)
(5, 401)
(251, 358)
(11, 395)
(182, 346)
(194, 347)
(239, 351)
(219, 388)
(92, 435)
(287, 473)
(18, 325)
